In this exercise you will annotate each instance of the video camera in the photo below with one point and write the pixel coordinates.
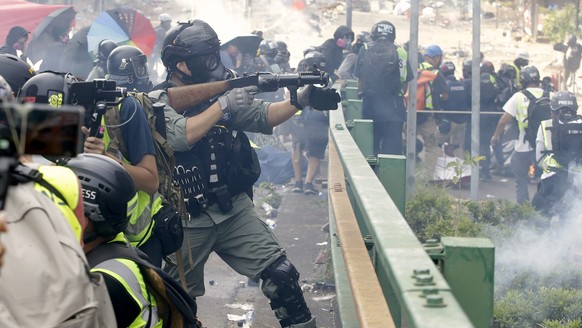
(96, 96)
(36, 129)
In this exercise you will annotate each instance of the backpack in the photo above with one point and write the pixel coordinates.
(423, 88)
(567, 140)
(168, 227)
(380, 69)
(175, 306)
(507, 88)
(489, 89)
(45, 279)
(537, 111)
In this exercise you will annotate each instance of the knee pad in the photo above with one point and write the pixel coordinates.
(288, 295)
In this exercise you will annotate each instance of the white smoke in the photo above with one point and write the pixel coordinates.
(547, 250)
(277, 21)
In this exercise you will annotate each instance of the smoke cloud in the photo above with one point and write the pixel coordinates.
(278, 22)
(551, 249)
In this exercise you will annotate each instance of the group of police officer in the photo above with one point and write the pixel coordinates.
(124, 197)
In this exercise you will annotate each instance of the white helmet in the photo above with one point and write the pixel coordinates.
(165, 17)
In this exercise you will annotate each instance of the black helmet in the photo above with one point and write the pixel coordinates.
(104, 48)
(448, 68)
(487, 67)
(529, 74)
(467, 68)
(363, 37)
(268, 48)
(311, 59)
(169, 38)
(444, 126)
(191, 38)
(198, 46)
(383, 29)
(48, 88)
(562, 100)
(507, 71)
(109, 194)
(127, 65)
(15, 71)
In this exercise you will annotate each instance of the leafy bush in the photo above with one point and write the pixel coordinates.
(522, 299)
(560, 23)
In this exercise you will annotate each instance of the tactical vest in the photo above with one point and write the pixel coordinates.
(428, 91)
(211, 173)
(129, 275)
(141, 225)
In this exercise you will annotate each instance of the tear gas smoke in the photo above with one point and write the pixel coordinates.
(277, 21)
(551, 249)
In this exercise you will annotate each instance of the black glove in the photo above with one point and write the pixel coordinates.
(238, 99)
(318, 98)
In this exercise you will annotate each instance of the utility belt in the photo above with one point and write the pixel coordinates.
(201, 202)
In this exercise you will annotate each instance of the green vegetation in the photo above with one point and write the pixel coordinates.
(560, 23)
(531, 299)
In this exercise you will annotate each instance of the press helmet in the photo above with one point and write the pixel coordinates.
(311, 59)
(47, 88)
(109, 194)
(529, 74)
(104, 48)
(564, 100)
(383, 29)
(15, 71)
(127, 65)
(198, 46)
(448, 68)
(268, 48)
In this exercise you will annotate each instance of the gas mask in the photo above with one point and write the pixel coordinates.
(206, 68)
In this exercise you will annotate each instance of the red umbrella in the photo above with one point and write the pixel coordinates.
(123, 26)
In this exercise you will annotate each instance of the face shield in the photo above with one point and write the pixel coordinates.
(138, 68)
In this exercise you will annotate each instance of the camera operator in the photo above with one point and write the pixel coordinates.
(55, 88)
(44, 209)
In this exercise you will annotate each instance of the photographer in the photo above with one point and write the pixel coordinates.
(44, 209)
(55, 88)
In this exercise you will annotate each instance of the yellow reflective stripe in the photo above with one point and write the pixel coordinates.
(139, 210)
(140, 226)
(128, 274)
(65, 181)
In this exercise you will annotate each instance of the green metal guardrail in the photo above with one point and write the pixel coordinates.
(418, 295)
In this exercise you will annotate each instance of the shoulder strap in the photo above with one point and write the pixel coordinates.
(532, 101)
(165, 287)
(113, 126)
(26, 173)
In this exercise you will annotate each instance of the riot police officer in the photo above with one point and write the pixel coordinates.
(222, 217)
(127, 66)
